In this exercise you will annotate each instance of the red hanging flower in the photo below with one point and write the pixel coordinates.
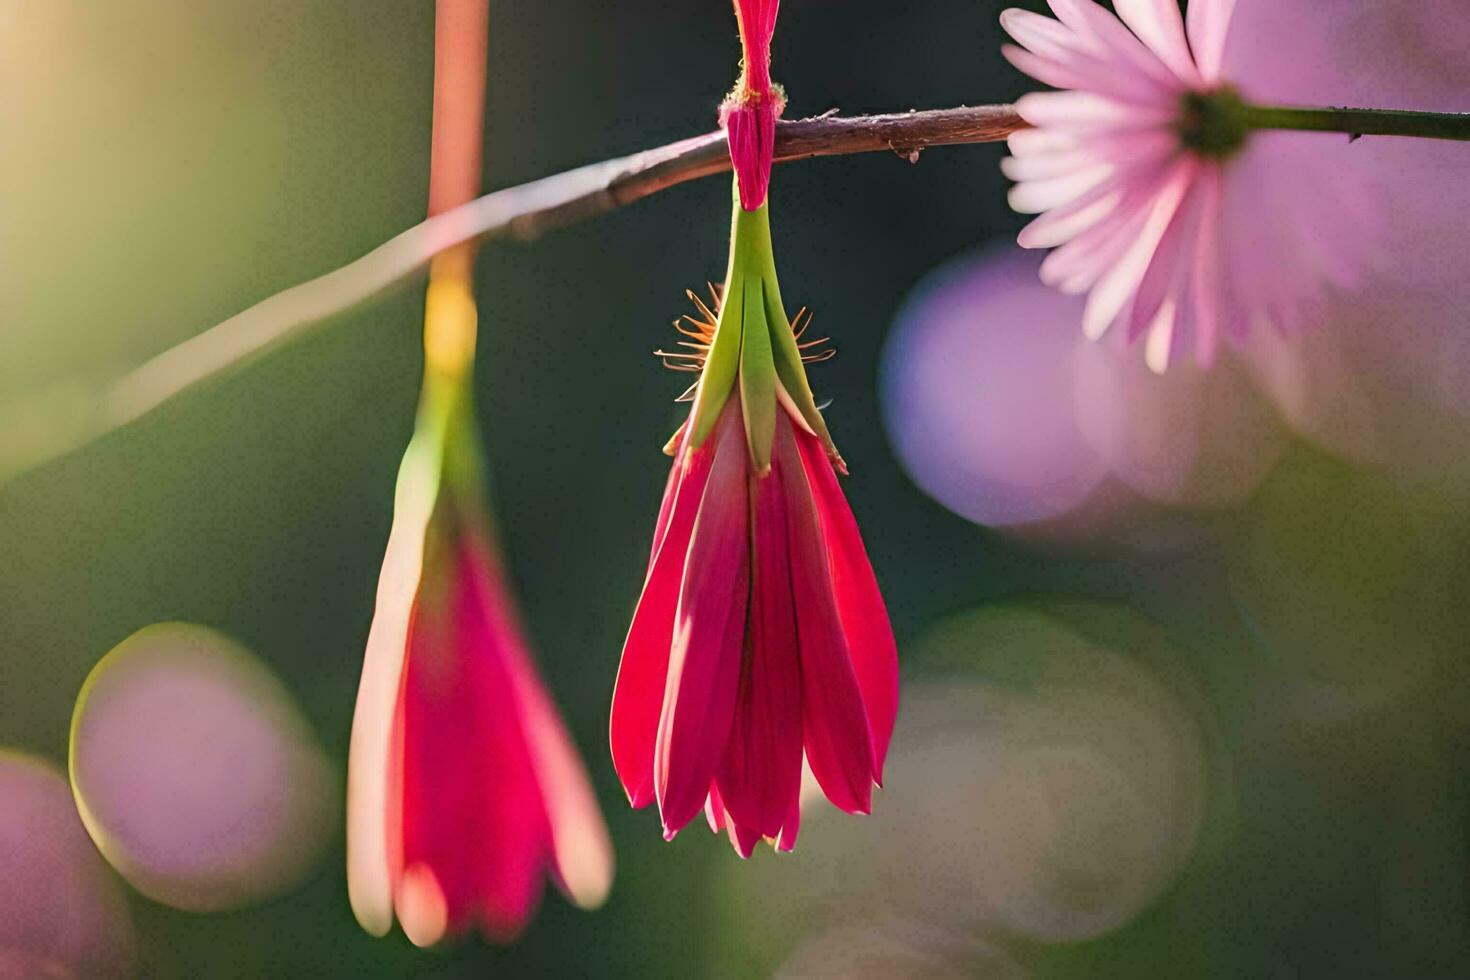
(464, 789)
(761, 637)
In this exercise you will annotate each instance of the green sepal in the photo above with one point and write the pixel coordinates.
(757, 379)
(446, 440)
(753, 344)
(723, 360)
(787, 356)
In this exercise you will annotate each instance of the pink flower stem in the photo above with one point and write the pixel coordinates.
(1361, 122)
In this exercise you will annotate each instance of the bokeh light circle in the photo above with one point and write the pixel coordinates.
(62, 913)
(976, 392)
(1048, 782)
(897, 949)
(1347, 580)
(195, 772)
(1194, 438)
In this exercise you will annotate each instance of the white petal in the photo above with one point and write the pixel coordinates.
(1036, 196)
(1087, 112)
(1061, 225)
(1161, 337)
(1025, 142)
(1041, 35)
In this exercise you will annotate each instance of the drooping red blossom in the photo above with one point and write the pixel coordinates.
(760, 638)
(464, 789)
(750, 111)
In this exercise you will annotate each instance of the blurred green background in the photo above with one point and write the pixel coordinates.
(166, 163)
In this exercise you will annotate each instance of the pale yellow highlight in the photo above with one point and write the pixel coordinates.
(450, 316)
(421, 906)
(369, 865)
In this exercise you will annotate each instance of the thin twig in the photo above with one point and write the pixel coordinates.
(524, 213)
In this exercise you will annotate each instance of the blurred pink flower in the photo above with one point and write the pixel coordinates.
(978, 397)
(464, 788)
(62, 913)
(1162, 205)
(1386, 385)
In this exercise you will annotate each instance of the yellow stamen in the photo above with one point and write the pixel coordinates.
(450, 316)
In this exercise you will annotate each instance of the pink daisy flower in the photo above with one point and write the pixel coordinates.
(1179, 222)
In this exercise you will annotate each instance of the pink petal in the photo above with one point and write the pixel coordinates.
(1207, 297)
(835, 725)
(714, 810)
(742, 837)
(1060, 225)
(1026, 142)
(1088, 112)
(1044, 36)
(1078, 264)
(761, 771)
(1045, 166)
(1090, 74)
(1139, 160)
(859, 602)
(1208, 24)
(751, 131)
(786, 842)
(580, 848)
(709, 633)
(1117, 285)
(474, 825)
(666, 508)
(1103, 30)
(1038, 196)
(1158, 24)
(1124, 150)
(1171, 262)
(757, 25)
(639, 694)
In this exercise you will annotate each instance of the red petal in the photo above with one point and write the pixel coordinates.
(834, 720)
(639, 694)
(761, 772)
(709, 633)
(474, 824)
(859, 603)
(580, 848)
(714, 810)
(742, 838)
(666, 508)
(751, 131)
(757, 20)
(787, 840)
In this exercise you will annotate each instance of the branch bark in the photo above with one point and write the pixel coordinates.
(524, 213)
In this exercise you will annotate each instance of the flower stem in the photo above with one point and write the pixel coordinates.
(1361, 122)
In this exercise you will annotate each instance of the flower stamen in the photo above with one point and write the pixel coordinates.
(700, 328)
